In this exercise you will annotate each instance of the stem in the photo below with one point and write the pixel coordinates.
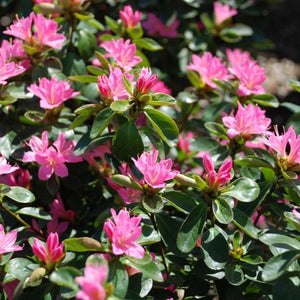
(17, 217)
(163, 254)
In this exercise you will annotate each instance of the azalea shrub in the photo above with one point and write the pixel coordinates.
(138, 158)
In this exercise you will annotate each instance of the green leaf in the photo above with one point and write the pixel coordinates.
(94, 70)
(279, 264)
(95, 23)
(120, 106)
(295, 84)
(266, 100)
(126, 181)
(280, 241)
(162, 99)
(222, 210)
(287, 287)
(180, 201)
(84, 78)
(253, 162)
(84, 16)
(112, 24)
(214, 249)
(7, 99)
(147, 44)
(146, 265)
(213, 111)
(217, 129)
(191, 228)
(242, 221)
(119, 278)
(146, 286)
(292, 219)
(86, 44)
(206, 20)
(135, 32)
(195, 79)
(252, 259)
(34, 116)
(164, 126)
(234, 274)
(83, 244)
(20, 194)
(19, 268)
(291, 106)
(101, 121)
(35, 212)
(149, 235)
(127, 142)
(65, 277)
(238, 30)
(243, 189)
(103, 60)
(153, 204)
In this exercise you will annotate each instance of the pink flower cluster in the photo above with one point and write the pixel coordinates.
(223, 12)
(123, 233)
(8, 69)
(52, 93)
(52, 159)
(7, 241)
(129, 18)
(154, 25)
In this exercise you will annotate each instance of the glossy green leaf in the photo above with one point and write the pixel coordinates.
(163, 125)
(215, 249)
(86, 44)
(217, 129)
(280, 241)
(7, 99)
(127, 142)
(295, 84)
(84, 78)
(180, 201)
(222, 210)
(101, 121)
(94, 70)
(148, 236)
(34, 116)
(292, 219)
(266, 100)
(253, 162)
(20, 194)
(287, 287)
(35, 212)
(65, 276)
(242, 221)
(162, 99)
(146, 286)
(103, 60)
(112, 24)
(191, 228)
(19, 268)
(83, 244)
(120, 106)
(234, 274)
(243, 189)
(252, 259)
(238, 29)
(95, 23)
(119, 278)
(153, 203)
(279, 264)
(147, 44)
(212, 112)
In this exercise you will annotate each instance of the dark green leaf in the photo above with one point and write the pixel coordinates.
(280, 241)
(86, 44)
(252, 259)
(153, 204)
(234, 274)
(266, 100)
(180, 201)
(217, 129)
(65, 276)
(35, 212)
(120, 106)
(253, 162)
(101, 121)
(287, 288)
(148, 44)
(119, 278)
(222, 210)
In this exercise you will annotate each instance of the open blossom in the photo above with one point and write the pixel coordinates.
(184, 142)
(6, 168)
(247, 121)
(155, 173)
(129, 17)
(111, 88)
(209, 67)
(19, 177)
(123, 232)
(92, 283)
(154, 25)
(7, 241)
(160, 87)
(223, 12)
(52, 92)
(236, 58)
(285, 147)
(44, 36)
(212, 177)
(295, 212)
(8, 70)
(123, 53)
(145, 81)
(51, 253)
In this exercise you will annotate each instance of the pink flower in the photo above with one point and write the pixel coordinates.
(92, 283)
(223, 12)
(145, 81)
(51, 253)
(209, 67)
(184, 142)
(55, 226)
(155, 173)
(285, 147)
(295, 212)
(123, 232)
(122, 52)
(58, 210)
(214, 178)
(130, 18)
(52, 93)
(8, 70)
(44, 36)
(10, 288)
(160, 87)
(18, 177)
(261, 220)
(6, 168)
(7, 241)
(98, 152)
(155, 25)
(112, 88)
(247, 121)
(236, 58)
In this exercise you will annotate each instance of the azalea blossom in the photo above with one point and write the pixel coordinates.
(54, 225)
(160, 87)
(209, 67)
(155, 173)
(6, 168)
(51, 253)
(123, 53)
(123, 232)
(129, 17)
(154, 25)
(184, 142)
(44, 36)
(223, 12)
(52, 93)
(145, 81)
(236, 58)
(7, 241)
(58, 210)
(212, 177)
(8, 70)
(92, 283)
(295, 212)
(19, 177)
(285, 147)
(111, 88)
(247, 121)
